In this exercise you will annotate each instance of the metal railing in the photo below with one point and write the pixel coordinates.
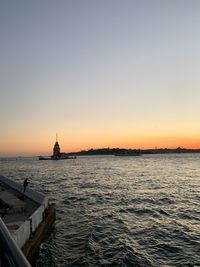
(10, 254)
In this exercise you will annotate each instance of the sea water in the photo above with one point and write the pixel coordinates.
(118, 211)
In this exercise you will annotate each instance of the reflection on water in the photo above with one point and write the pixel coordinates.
(136, 211)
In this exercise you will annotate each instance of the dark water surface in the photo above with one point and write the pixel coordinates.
(112, 211)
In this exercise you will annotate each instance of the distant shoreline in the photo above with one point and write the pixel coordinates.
(114, 151)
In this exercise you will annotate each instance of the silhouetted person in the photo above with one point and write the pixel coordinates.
(25, 183)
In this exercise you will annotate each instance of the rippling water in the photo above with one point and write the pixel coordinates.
(112, 211)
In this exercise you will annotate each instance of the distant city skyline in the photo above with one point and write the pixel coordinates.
(107, 73)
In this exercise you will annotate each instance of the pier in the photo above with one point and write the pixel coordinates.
(27, 216)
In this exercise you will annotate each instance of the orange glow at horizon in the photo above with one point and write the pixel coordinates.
(44, 146)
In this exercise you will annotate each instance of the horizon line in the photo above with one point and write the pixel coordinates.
(30, 154)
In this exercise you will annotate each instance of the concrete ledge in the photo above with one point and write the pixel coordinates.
(30, 228)
(38, 197)
(22, 234)
(31, 248)
(36, 218)
(15, 205)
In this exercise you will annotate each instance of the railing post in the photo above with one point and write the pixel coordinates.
(10, 250)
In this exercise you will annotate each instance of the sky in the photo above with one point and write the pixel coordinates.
(109, 73)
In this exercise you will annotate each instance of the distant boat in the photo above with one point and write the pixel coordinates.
(135, 153)
(43, 158)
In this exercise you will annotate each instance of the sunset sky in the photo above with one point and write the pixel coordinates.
(108, 73)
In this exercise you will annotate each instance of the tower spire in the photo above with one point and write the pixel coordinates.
(56, 137)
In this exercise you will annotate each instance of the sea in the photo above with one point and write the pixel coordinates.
(118, 211)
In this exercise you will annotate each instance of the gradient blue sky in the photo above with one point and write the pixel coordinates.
(100, 73)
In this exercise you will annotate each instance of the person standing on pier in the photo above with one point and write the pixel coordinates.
(25, 183)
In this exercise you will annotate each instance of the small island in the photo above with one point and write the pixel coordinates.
(57, 155)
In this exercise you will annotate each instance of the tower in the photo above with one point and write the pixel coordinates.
(56, 149)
